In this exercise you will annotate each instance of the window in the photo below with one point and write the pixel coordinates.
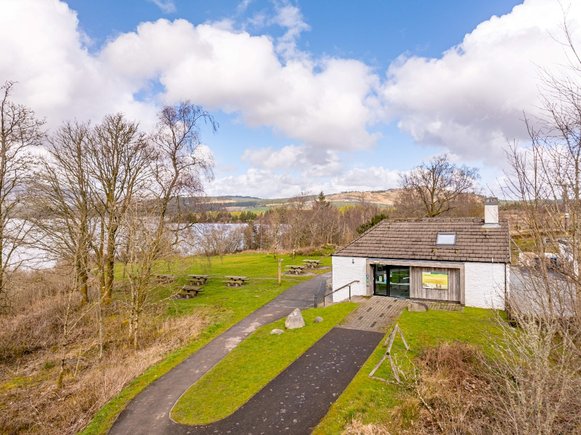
(446, 239)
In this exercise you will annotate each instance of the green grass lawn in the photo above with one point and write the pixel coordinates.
(249, 367)
(371, 400)
(227, 305)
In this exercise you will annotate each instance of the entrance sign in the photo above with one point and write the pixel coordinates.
(435, 280)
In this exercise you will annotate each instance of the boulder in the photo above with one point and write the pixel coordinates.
(318, 319)
(294, 320)
(276, 331)
(417, 307)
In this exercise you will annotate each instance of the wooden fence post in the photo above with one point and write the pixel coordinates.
(279, 271)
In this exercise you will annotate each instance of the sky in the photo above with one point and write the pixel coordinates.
(310, 96)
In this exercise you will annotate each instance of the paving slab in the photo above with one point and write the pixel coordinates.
(376, 313)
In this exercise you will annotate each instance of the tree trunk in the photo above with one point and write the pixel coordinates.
(110, 262)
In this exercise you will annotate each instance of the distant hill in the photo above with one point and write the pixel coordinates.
(380, 198)
(229, 203)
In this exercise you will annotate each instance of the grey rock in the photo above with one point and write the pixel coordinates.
(417, 307)
(276, 331)
(318, 319)
(294, 320)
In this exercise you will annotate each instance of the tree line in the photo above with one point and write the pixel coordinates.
(96, 195)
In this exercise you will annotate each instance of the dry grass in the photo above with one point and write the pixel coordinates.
(446, 394)
(53, 383)
(452, 391)
(356, 427)
(456, 390)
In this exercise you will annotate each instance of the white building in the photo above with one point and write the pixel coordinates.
(440, 259)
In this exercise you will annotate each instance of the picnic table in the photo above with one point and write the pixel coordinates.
(165, 278)
(198, 279)
(190, 291)
(295, 269)
(312, 264)
(235, 281)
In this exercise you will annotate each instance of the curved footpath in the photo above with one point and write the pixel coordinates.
(294, 402)
(148, 412)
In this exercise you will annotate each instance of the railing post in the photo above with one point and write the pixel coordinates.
(336, 290)
(314, 301)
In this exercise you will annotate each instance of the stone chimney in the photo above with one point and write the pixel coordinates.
(491, 212)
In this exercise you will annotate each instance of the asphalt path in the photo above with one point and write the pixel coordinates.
(297, 399)
(148, 412)
(293, 403)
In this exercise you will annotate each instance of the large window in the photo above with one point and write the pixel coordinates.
(391, 281)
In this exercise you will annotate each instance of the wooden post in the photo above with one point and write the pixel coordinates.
(387, 355)
(279, 271)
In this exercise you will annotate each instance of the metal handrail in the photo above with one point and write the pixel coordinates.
(334, 291)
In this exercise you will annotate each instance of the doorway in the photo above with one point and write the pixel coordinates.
(391, 281)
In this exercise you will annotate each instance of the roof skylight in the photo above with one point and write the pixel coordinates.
(446, 239)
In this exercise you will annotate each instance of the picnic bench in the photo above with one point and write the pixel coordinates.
(165, 278)
(235, 281)
(198, 279)
(295, 269)
(190, 291)
(312, 264)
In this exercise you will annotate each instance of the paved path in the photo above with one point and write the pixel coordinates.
(148, 413)
(297, 399)
(376, 313)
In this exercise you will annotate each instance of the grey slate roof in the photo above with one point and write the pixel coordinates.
(416, 240)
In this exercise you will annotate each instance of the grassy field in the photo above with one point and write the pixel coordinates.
(226, 305)
(370, 400)
(249, 367)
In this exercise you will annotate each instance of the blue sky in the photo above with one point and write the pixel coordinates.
(320, 95)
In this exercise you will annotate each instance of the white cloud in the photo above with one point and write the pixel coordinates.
(43, 51)
(313, 162)
(291, 18)
(371, 178)
(243, 6)
(166, 6)
(263, 183)
(273, 183)
(468, 101)
(285, 157)
(324, 104)
(471, 100)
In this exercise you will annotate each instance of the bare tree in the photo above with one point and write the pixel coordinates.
(144, 244)
(20, 131)
(118, 160)
(62, 190)
(180, 163)
(176, 169)
(433, 186)
(538, 366)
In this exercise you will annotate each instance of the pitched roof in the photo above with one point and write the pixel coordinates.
(416, 240)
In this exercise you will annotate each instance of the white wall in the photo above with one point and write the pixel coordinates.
(484, 284)
(345, 270)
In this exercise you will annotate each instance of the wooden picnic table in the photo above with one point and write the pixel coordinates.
(312, 264)
(165, 278)
(198, 279)
(190, 291)
(235, 281)
(295, 269)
